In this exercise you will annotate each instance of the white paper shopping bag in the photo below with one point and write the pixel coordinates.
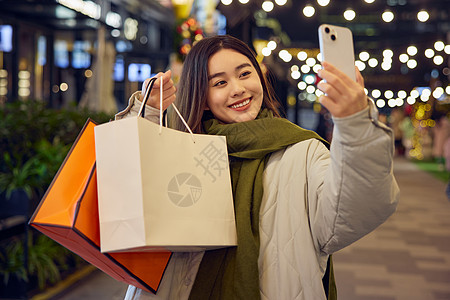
(160, 188)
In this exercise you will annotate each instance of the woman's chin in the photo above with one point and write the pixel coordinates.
(245, 116)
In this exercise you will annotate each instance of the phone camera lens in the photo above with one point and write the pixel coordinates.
(333, 37)
(327, 30)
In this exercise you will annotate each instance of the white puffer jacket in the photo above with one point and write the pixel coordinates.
(315, 202)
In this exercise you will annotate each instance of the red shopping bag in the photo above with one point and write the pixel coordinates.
(68, 214)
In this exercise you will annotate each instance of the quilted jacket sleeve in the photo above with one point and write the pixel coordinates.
(359, 191)
(151, 114)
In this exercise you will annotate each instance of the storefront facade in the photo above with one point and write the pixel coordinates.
(50, 50)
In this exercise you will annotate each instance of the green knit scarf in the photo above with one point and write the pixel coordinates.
(232, 273)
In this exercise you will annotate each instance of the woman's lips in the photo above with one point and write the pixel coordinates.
(242, 105)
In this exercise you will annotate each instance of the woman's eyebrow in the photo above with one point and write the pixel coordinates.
(241, 66)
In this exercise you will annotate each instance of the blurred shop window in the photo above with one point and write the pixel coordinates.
(5, 38)
(139, 72)
(154, 36)
(123, 46)
(119, 69)
(42, 50)
(61, 54)
(81, 59)
(308, 118)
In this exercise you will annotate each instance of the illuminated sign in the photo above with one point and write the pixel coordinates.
(6, 38)
(139, 72)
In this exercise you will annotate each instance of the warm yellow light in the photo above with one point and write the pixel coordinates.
(423, 16)
(439, 45)
(411, 100)
(373, 62)
(402, 94)
(305, 69)
(387, 16)
(323, 2)
(438, 92)
(415, 93)
(295, 75)
(310, 79)
(349, 14)
(316, 68)
(267, 6)
(311, 61)
(447, 49)
(301, 85)
(381, 103)
(403, 57)
(309, 11)
(364, 56)
(285, 55)
(272, 45)
(411, 50)
(438, 60)
(388, 53)
(388, 94)
(376, 93)
(266, 51)
(386, 66)
(280, 2)
(429, 53)
(360, 65)
(88, 73)
(63, 87)
(310, 89)
(412, 63)
(319, 57)
(302, 55)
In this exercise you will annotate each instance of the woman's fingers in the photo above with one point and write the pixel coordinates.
(343, 96)
(169, 90)
(328, 89)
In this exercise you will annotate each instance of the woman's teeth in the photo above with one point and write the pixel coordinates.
(241, 104)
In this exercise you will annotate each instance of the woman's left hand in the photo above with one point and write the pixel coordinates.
(343, 96)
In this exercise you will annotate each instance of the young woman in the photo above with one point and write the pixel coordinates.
(296, 202)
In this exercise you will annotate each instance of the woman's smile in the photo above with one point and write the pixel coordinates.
(241, 105)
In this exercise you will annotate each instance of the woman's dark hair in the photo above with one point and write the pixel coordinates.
(193, 86)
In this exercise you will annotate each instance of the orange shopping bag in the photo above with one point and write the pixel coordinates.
(68, 214)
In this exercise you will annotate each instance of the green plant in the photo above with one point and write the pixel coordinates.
(12, 261)
(46, 260)
(18, 176)
(34, 140)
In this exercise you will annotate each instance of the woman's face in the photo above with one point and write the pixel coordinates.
(235, 93)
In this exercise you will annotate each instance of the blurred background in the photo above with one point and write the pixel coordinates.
(62, 61)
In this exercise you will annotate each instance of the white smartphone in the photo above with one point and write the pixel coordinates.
(336, 46)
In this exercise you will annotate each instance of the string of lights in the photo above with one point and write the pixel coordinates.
(408, 58)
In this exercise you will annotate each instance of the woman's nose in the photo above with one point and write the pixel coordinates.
(238, 88)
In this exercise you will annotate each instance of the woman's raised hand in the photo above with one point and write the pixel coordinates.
(343, 96)
(169, 90)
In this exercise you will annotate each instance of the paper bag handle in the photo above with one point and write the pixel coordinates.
(147, 95)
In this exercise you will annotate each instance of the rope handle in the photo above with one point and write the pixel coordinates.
(141, 112)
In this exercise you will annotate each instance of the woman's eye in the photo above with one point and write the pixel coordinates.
(220, 83)
(246, 73)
